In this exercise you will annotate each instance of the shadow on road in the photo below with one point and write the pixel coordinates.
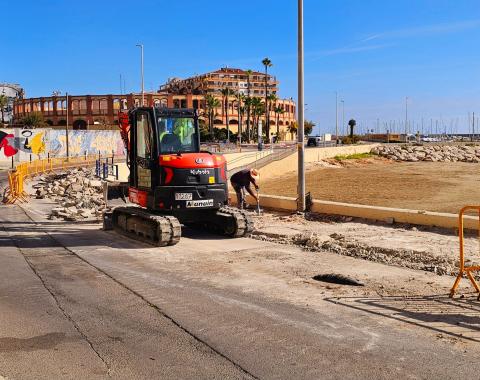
(459, 318)
(49, 234)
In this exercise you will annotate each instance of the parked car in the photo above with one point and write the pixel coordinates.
(314, 141)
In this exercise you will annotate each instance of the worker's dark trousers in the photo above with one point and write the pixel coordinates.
(240, 195)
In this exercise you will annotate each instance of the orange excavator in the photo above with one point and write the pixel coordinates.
(172, 182)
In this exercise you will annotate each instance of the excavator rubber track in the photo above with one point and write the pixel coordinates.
(139, 224)
(227, 221)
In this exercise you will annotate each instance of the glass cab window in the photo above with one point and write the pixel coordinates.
(177, 135)
(144, 136)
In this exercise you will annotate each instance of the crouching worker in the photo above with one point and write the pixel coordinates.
(241, 181)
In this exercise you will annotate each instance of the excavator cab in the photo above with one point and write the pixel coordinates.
(171, 178)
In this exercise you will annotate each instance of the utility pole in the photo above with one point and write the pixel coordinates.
(336, 118)
(406, 118)
(141, 63)
(66, 128)
(343, 112)
(301, 205)
(473, 126)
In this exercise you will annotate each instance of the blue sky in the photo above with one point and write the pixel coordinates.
(373, 52)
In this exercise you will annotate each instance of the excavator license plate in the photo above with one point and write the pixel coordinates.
(183, 196)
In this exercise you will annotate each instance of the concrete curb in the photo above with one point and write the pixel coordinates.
(386, 214)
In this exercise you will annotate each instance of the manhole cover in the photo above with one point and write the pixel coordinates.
(340, 279)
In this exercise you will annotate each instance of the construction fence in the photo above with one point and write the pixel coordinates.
(17, 177)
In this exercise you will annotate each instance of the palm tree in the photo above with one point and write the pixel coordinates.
(272, 101)
(352, 123)
(258, 109)
(308, 127)
(3, 105)
(226, 93)
(278, 111)
(267, 63)
(248, 106)
(248, 103)
(292, 128)
(241, 110)
(211, 103)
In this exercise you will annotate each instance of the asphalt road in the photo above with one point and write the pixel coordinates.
(104, 306)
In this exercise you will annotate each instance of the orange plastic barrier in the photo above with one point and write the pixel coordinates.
(465, 270)
(23, 171)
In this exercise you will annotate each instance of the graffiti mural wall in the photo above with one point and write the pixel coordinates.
(21, 143)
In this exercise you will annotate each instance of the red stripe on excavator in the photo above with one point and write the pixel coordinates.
(192, 160)
(137, 196)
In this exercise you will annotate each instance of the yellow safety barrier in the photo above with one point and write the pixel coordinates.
(23, 171)
(463, 268)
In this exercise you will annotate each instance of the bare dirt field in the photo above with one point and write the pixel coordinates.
(431, 186)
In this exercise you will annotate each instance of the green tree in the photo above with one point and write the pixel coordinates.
(3, 105)
(211, 104)
(258, 109)
(34, 120)
(308, 127)
(226, 93)
(248, 103)
(239, 97)
(278, 111)
(352, 123)
(248, 107)
(292, 128)
(267, 63)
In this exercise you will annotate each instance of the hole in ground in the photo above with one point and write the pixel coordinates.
(335, 278)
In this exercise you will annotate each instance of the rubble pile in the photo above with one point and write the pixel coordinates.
(432, 153)
(337, 243)
(77, 191)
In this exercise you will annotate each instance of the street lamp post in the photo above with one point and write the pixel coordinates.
(141, 63)
(336, 118)
(66, 127)
(343, 112)
(301, 205)
(406, 118)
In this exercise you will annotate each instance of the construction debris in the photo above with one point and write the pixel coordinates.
(339, 244)
(432, 153)
(78, 193)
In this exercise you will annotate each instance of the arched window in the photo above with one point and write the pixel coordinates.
(116, 105)
(124, 104)
(60, 107)
(82, 106)
(95, 106)
(103, 106)
(75, 107)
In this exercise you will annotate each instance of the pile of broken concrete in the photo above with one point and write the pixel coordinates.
(78, 193)
(432, 153)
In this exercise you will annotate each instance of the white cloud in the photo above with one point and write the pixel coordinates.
(426, 30)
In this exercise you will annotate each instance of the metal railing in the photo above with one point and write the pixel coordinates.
(263, 161)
